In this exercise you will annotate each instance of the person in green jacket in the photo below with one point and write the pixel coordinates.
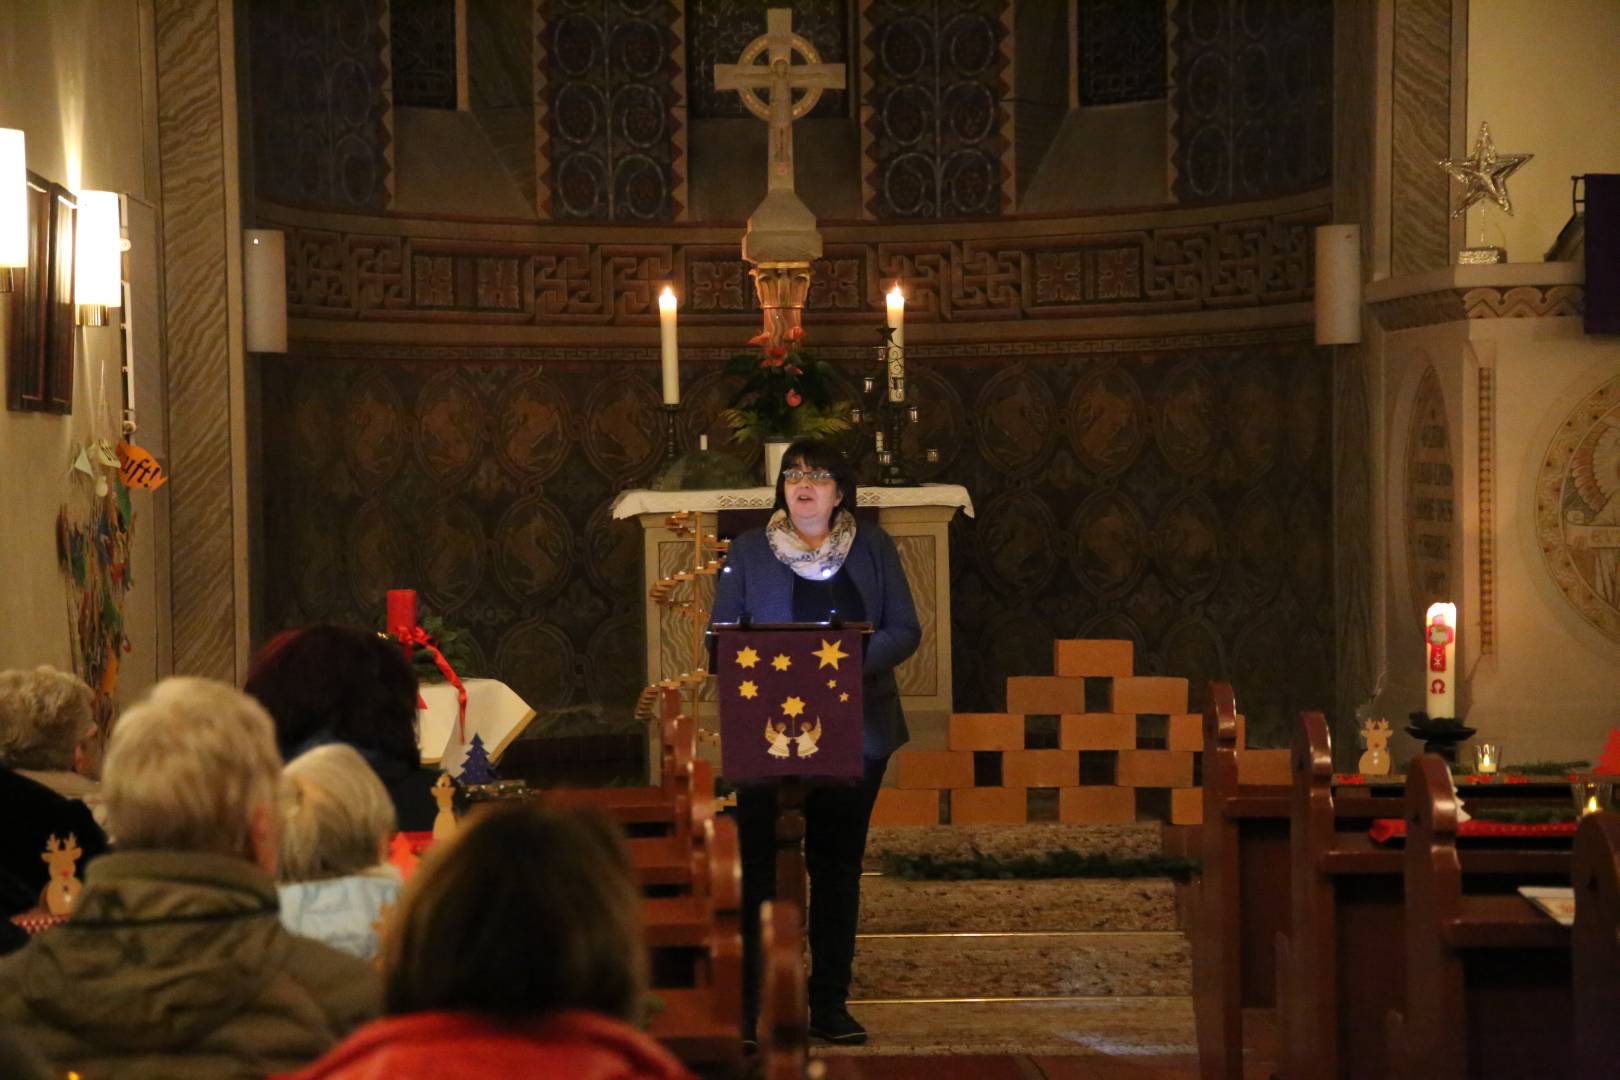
(175, 962)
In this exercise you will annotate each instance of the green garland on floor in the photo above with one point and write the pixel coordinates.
(1062, 863)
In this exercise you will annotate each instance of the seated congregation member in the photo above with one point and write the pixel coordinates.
(325, 684)
(175, 962)
(516, 951)
(812, 563)
(47, 728)
(337, 823)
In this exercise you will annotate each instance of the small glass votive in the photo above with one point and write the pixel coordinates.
(1487, 757)
(1591, 796)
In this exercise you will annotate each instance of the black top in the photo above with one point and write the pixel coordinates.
(32, 813)
(832, 598)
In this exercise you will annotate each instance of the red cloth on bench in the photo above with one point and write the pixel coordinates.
(1386, 829)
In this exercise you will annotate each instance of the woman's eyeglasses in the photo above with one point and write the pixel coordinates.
(815, 476)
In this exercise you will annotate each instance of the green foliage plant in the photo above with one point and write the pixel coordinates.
(786, 393)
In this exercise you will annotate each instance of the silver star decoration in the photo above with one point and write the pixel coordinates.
(1484, 173)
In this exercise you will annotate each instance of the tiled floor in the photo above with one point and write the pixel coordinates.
(1020, 1067)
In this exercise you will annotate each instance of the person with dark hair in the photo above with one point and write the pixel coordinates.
(324, 684)
(813, 563)
(517, 951)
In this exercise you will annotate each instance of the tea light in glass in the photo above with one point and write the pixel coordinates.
(1487, 757)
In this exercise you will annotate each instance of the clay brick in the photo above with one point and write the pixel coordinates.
(1046, 694)
(1098, 731)
(1264, 767)
(897, 807)
(1081, 658)
(1096, 805)
(1187, 806)
(1187, 732)
(1150, 694)
(934, 769)
(989, 806)
(1155, 768)
(986, 731)
(1040, 768)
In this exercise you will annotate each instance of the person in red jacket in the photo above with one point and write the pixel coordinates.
(516, 951)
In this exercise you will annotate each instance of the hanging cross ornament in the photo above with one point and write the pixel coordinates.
(779, 77)
(1483, 175)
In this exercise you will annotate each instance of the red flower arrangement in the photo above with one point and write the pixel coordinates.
(785, 394)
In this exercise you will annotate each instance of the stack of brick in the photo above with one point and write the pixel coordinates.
(1095, 743)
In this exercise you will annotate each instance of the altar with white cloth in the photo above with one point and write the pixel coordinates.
(918, 518)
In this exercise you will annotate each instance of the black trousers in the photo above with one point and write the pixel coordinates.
(836, 817)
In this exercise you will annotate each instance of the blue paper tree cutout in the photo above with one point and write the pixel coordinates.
(476, 769)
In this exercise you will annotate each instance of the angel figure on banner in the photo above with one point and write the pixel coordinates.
(1594, 472)
(781, 742)
(805, 743)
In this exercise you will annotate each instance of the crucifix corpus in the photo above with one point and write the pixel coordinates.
(782, 237)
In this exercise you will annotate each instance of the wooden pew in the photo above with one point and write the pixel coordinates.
(1238, 900)
(784, 1025)
(1596, 945)
(1341, 963)
(650, 805)
(1487, 974)
(1340, 887)
(702, 1024)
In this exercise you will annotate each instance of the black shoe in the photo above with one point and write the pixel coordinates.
(834, 1024)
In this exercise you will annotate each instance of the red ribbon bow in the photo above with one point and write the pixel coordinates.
(415, 635)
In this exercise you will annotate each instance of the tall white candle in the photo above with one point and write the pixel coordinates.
(897, 355)
(671, 362)
(1440, 659)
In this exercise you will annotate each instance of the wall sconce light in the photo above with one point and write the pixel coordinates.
(1338, 284)
(264, 290)
(13, 205)
(98, 257)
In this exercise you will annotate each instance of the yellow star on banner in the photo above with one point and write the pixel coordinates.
(781, 663)
(792, 707)
(748, 689)
(747, 657)
(844, 696)
(832, 684)
(830, 653)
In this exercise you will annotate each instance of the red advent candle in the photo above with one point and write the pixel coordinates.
(401, 614)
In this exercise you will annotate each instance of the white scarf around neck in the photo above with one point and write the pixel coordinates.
(813, 564)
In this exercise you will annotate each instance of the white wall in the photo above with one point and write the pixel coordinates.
(1545, 77)
(73, 82)
(1549, 689)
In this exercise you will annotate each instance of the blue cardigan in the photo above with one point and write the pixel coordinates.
(755, 584)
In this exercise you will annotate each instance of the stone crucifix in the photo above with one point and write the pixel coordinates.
(782, 238)
(779, 77)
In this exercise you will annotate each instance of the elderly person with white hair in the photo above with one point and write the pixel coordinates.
(175, 962)
(47, 735)
(334, 843)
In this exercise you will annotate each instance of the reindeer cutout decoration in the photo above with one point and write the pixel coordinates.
(444, 823)
(1375, 762)
(61, 893)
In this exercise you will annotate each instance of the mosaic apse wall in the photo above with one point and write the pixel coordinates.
(321, 105)
(1251, 98)
(1177, 497)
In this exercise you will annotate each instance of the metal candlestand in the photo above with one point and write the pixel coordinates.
(893, 414)
(672, 418)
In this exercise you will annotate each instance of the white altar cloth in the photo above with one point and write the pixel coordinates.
(631, 503)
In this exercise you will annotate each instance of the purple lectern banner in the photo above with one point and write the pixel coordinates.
(790, 703)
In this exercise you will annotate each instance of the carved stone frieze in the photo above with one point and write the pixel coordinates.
(1245, 261)
(1483, 302)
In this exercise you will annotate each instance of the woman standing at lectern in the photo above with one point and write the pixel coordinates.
(812, 563)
